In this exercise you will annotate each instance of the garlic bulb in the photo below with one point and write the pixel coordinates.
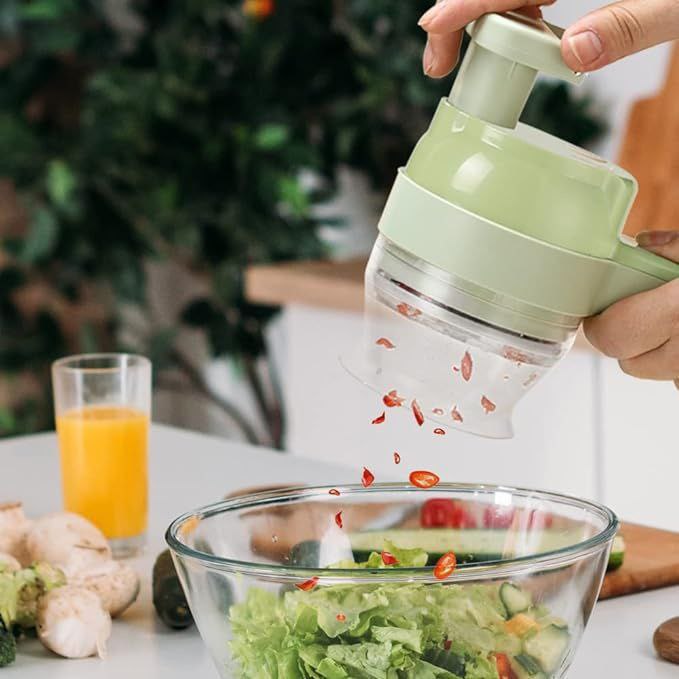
(8, 563)
(115, 583)
(13, 528)
(67, 541)
(72, 623)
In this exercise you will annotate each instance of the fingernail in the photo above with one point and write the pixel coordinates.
(586, 46)
(431, 13)
(428, 58)
(655, 238)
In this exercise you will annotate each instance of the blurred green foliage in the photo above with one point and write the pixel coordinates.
(187, 140)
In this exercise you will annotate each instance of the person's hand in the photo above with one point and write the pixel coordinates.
(642, 331)
(601, 37)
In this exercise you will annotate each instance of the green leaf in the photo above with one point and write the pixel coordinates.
(271, 137)
(42, 236)
(61, 183)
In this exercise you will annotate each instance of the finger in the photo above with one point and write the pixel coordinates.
(663, 243)
(453, 15)
(620, 29)
(441, 54)
(636, 324)
(660, 364)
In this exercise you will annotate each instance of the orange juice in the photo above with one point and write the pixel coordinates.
(104, 467)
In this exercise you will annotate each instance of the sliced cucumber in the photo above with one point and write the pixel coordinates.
(526, 667)
(617, 557)
(548, 647)
(446, 660)
(514, 599)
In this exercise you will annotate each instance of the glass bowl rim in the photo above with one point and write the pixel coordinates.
(67, 363)
(469, 571)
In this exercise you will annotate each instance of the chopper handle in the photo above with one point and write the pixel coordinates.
(505, 54)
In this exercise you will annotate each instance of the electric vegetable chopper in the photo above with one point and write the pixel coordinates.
(497, 239)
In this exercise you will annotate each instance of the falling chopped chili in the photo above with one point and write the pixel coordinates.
(392, 400)
(386, 343)
(388, 559)
(407, 310)
(307, 585)
(380, 418)
(445, 566)
(487, 405)
(424, 479)
(338, 520)
(466, 366)
(367, 478)
(439, 431)
(531, 378)
(397, 458)
(334, 491)
(341, 617)
(456, 369)
(417, 411)
(437, 411)
(455, 414)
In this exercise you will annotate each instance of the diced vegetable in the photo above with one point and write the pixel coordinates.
(520, 624)
(617, 557)
(514, 599)
(526, 667)
(169, 599)
(547, 647)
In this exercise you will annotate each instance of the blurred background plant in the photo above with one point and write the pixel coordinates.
(186, 132)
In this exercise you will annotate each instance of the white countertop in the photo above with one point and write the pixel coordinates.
(188, 470)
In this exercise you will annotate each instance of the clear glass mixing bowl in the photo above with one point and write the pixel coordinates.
(256, 572)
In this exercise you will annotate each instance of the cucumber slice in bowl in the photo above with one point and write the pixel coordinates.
(514, 599)
(548, 647)
(617, 557)
(526, 667)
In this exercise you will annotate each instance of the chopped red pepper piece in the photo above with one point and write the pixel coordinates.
(437, 411)
(456, 415)
(341, 617)
(445, 566)
(334, 491)
(447, 644)
(368, 477)
(386, 343)
(388, 559)
(466, 366)
(456, 369)
(307, 585)
(531, 378)
(424, 479)
(338, 520)
(417, 411)
(407, 310)
(397, 458)
(392, 400)
(487, 404)
(445, 513)
(379, 419)
(504, 668)
(439, 431)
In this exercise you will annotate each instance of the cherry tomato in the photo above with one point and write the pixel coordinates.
(498, 517)
(445, 513)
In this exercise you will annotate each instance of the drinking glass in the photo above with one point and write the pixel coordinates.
(102, 406)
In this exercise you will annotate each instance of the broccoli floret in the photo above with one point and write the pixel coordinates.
(8, 646)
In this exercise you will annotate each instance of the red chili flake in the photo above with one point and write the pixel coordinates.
(397, 458)
(386, 343)
(392, 400)
(437, 411)
(388, 559)
(338, 520)
(379, 419)
(307, 585)
(531, 378)
(334, 491)
(512, 354)
(417, 411)
(367, 478)
(455, 414)
(466, 366)
(439, 431)
(456, 369)
(407, 310)
(447, 644)
(504, 667)
(340, 617)
(424, 479)
(445, 566)
(487, 405)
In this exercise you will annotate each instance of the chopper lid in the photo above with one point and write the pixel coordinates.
(502, 62)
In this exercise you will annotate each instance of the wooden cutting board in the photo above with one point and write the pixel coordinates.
(651, 561)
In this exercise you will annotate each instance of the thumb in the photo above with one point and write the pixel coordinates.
(618, 30)
(663, 243)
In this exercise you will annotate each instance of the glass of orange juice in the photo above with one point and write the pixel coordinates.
(102, 405)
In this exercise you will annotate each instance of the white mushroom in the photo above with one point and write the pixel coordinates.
(115, 583)
(13, 528)
(8, 563)
(67, 541)
(72, 623)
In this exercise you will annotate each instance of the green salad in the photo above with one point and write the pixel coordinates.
(396, 631)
